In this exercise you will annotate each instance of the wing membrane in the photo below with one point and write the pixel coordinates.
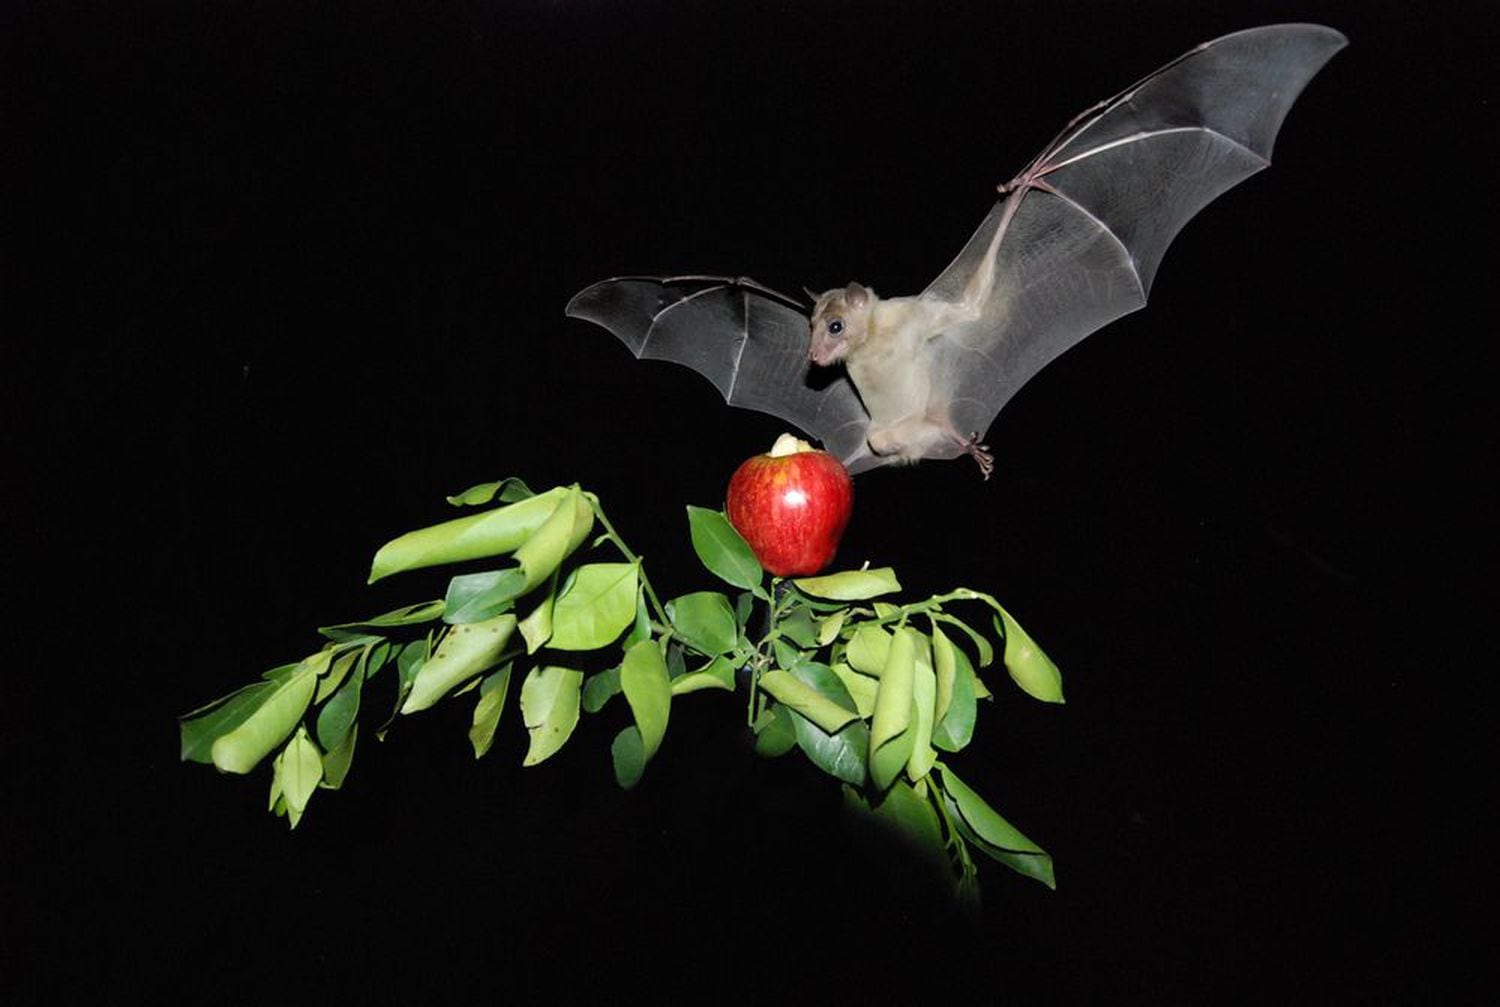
(1085, 227)
(750, 341)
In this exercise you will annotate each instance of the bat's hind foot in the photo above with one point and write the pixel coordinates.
(981, 455)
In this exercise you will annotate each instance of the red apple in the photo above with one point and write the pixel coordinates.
(791, 505)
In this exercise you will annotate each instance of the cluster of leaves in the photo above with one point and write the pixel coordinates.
(869, 690)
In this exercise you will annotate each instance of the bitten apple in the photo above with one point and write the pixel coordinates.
(791, 505)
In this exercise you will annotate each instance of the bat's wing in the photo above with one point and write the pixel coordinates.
(1084, 227)
(750, 341)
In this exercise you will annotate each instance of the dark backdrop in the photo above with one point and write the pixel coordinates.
(281, 279)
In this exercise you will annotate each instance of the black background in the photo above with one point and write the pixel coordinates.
(280, 279)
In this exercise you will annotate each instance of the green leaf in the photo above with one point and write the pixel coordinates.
(1031, 669)
(410, 660)
(705, 621)
(407, 615)
(648, 690)
(843, 752)
(868, 649)
(807, 701)
(841, 755)
(338, 668)
(816, 604)
(475, 597)
(336, 763)
(891, 735)
(718, 674)
(563, 532)
(744, 604)
(798, 627)
(944, 666)
(861, 688)
(218, 718)
(641, 629)
(487, 713)
(629, 756)
(596, 606)
(851, 585)
(298, 770)
(282, 672)
(280, 709)
(549, 708)
(924, 695)
(338, 714)
(775, 732)
(536, 628)
(955, 726)
(905, 813)
(787, 655)
(491, 533)
(960, 657)
(981, 645)
(994, 836)
(723, 551)
(349, 636)
(828, 627)
(463, 652)
(509, 490)
(981, 691)
(821, 678)
(908, 809)
(599, 689)
(377, 656)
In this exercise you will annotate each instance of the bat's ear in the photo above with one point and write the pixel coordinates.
(855, 295)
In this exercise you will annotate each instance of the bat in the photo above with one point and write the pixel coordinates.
(1073, 243)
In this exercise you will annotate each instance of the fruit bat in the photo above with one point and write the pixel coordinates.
(1073, 243)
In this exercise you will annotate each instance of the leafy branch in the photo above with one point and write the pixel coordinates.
(869, 690)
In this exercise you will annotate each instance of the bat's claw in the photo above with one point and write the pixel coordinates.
(981, 455)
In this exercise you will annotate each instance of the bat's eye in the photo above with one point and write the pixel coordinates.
(835, 327)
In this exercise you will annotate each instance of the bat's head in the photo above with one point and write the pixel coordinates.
(839, 322)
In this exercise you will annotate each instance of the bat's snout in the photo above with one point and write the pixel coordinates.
(821, 355)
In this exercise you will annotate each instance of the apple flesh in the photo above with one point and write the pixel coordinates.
(791, 505)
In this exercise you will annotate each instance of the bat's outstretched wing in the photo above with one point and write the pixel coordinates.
(750, 341)
(1084, 227)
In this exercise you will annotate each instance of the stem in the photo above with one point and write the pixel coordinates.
(750, 715)
(901, 613)
(619, 543)
(781, 598)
